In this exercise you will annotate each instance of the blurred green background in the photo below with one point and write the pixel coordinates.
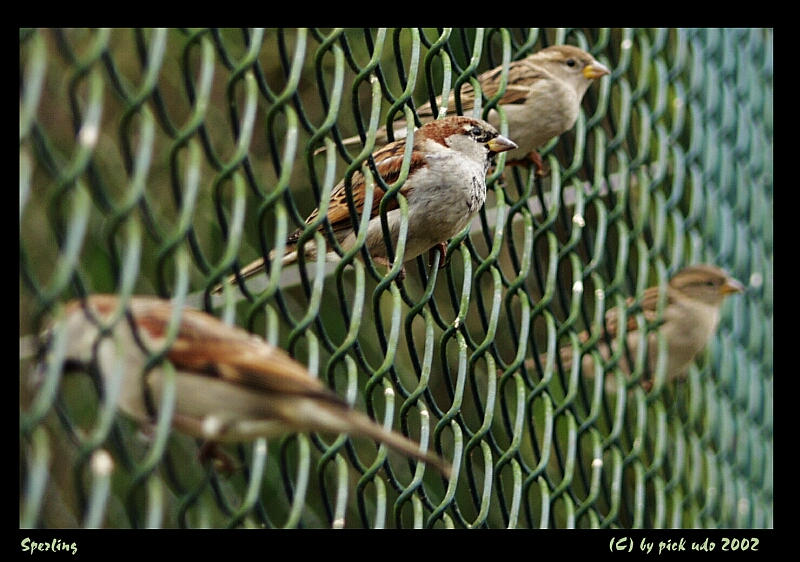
(137, 145)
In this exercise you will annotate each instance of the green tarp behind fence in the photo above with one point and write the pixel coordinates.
(153, 161)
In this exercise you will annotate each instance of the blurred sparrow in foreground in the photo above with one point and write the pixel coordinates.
(690, 316)
(542, 99)
(230, 385)
(445, 187)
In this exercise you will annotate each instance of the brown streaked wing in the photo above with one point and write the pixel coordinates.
(389, 160)
(521, 74)
(209, 347)
(649, 307)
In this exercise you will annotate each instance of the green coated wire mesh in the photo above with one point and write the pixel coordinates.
(154, 161)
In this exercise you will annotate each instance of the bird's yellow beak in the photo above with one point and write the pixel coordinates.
(595, 70)
(501, 144)
(730, 286)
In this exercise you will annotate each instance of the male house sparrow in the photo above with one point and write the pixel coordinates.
(690, 316)
(541, 100)
(230, 385)
(445, 187)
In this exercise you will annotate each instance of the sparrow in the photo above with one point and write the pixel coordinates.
(230, 385)
(445, 188)
(694, 296)
(541, 101)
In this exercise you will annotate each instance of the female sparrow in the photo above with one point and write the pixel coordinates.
(690, 316)
(541, 100)
(230, 385)
(445, 187)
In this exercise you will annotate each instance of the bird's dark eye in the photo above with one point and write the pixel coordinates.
(571, 62)
(705, 283)
(476, 131)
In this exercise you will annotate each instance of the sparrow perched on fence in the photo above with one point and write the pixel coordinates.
(445, 187)
(694, 297)
(230, 385)
(542, 99)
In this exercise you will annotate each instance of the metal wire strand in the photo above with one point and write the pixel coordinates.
(160, 161)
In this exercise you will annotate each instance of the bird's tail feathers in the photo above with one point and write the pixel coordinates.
(381, 138)
(361, 425)
(255, 267)
(346, 142)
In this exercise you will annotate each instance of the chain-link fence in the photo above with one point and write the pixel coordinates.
(158, 161)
